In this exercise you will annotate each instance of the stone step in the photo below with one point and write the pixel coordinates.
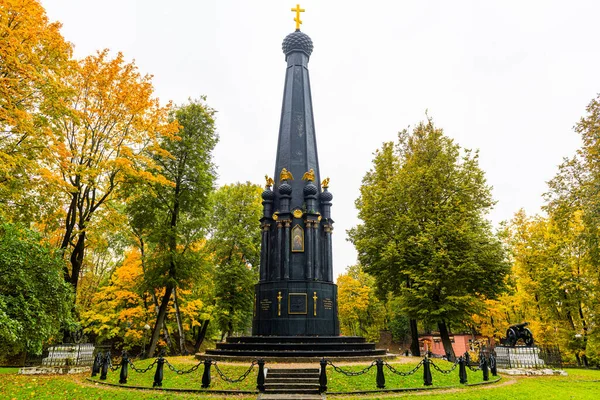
(296, 339)
(292, 374)
(276, 386)
(286, 379)
(275, 396)
(295, 353)
(295, 346)
(292, 391)
(279, 370)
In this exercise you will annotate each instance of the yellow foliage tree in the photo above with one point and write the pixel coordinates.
(119, 309)
(112, 121)
(33, 59)
(360, 311)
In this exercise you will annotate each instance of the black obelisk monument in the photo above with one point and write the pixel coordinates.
(296, 294)
(295, 300)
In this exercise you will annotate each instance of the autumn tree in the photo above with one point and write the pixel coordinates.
(112, 123)
(34, 58)
(424, 234)
(235, 246)
(35, 301)
(170, 218)
(118, 308)
(361, 313)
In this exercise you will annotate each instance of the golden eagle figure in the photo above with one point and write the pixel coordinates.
(285, 175)
(325, 183)
(309, 176)
(270, 181)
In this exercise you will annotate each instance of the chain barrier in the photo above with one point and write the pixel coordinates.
(395, 371)
(445, 372)
(144, 370)
(181, 372)
(113, 368)
(350, 373)
(474, 369)
(241, 378)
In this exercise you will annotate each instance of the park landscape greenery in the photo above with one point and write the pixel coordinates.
(111, 225)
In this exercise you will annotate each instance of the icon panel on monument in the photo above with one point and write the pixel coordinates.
(297, 239)
(297, 304)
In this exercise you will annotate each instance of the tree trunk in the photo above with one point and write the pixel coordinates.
(160, 318)
(182, 349)
(446, 340)
(201, 335)
(414, 336)
(77, 259)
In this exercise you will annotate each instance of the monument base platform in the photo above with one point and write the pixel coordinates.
(518, 357)
(298, 348)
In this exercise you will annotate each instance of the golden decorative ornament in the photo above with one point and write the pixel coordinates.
(285, 175)
(319, 219)
(325, 183)
(298, 10)
(275, 215)
(297, 213)
(269, 181)
(309, 176)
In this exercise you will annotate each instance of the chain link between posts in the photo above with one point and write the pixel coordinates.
(241, 378)
(142, 370)
(446, 371)
(395, 371)
(181, 372)
(351, 373)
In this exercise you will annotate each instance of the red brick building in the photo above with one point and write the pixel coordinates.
(461, 343)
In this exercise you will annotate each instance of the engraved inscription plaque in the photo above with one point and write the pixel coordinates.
(327, 303)
(297, 303)
(265, 304)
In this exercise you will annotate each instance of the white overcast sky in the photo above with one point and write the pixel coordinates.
(509, 78)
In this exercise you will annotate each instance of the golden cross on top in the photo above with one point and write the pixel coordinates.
(298, 10)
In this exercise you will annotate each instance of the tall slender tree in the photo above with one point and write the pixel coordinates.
(170, 218)
(424, 234)
(235, 246)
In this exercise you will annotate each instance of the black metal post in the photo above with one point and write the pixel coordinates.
(462, 370)
(484, 368)
(380, 376)
(97, 363)
(260, 379)
(427, 381)
(158, 375)
(124, 367)
(206, 374)
(105, 365)
(323, 376)
(493, 366)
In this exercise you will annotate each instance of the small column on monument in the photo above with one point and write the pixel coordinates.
(286, 251)
(310, 198)
(317, 243)
(325, 199)
(309, 261)
(285, 192)
(267, 196)
(277, 267)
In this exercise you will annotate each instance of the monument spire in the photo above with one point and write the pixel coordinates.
(296, 268)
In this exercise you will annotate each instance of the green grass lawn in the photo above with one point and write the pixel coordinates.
(580, 384)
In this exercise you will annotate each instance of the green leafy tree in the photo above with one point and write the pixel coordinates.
(424, 234)
(35, 301)
(235, 246)
(169, 219)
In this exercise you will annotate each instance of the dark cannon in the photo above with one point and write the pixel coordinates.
(516, 332)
